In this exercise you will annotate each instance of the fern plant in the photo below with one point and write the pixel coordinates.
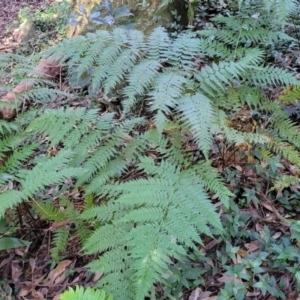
(141, 227)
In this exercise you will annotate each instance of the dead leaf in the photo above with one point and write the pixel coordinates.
(195, 294)
(24, 292)
(227, 278)
(205, 295)
(210, 262)
(37, 295)
(16, 271)
(277, 235)
(97, 276)
(211, 244)
(56, 225)
(252, 246)
(252, 294)
(266, 205)
(55, 274)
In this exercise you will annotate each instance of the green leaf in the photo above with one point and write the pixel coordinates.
(9, 243)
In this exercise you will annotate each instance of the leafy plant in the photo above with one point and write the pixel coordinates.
(103, 13)
(9, 242)
(52, 17)
(147, 180)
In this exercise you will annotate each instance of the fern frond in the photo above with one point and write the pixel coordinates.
(162, 225)
(51, 171)
(168, 87)
(285, 128)
(197, 114)
(212, 181)
(290, 94)
(183, 51)
(140, 79)
(113, 168)
(266, 76)
(80, 293)
(18, 157)
(57, 124)
(9, 199)
(286, 181)
(217, 77)
(158, 44)
(101, 159)
(218, 49)
(121, 66)
(59, 242)
(286, 150)
(48, 211)
(281, 10)
(7, 127)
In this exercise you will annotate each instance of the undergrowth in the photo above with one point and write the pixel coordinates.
(167, 117)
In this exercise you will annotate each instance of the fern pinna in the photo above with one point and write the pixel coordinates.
(141, 227)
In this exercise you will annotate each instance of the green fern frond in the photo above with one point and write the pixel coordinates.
(162, 225)
(212, 181)
(197, 114)
(215, 78)
(168, 87)
(18, 157)
(48, 211)
(183, 50)
(286, 181)
(69, 209)
(57, 124)
(88, 294)
(10, 198)
(11, 142)
(290, 94)
(266, 76)
(140, 79)
(101, 161)
(219, 50)
(54, 170)
(113, 168)
(158, 44)
(281, 10)
(286, 150)
(285, 128)
(121, 66)
(59, 242)
(43, 95)
(7, 127)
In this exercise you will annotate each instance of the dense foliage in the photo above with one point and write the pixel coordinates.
(146, 151)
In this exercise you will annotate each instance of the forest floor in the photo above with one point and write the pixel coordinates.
(9, 15)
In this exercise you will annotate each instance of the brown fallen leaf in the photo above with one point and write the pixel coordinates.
(56, 274)
(16, 271)
(37, 295)
(56, 225)
(252, 246)
(195, 294)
